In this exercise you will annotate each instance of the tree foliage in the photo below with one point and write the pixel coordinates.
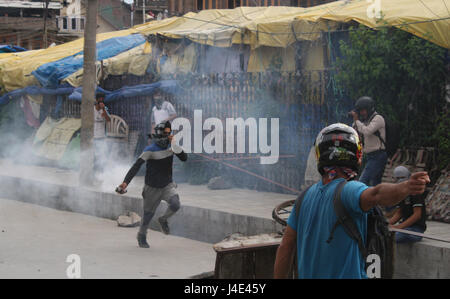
(406, 77)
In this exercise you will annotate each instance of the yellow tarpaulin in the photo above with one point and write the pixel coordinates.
(182, 60)
(16, 73)
(269, 58)
(133, 61)
(279, 26)
(55, 136)
(276, 26)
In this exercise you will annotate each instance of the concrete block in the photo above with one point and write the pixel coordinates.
(421, 260)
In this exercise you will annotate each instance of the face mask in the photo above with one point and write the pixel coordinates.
(162, 142)
(158, 103)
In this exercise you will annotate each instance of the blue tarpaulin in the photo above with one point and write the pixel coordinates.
(169, 86)
(35, 90)
(50, 74)
(11, 49)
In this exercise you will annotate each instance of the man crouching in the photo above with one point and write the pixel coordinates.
(158, 179)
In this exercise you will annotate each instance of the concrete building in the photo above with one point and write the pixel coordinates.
(22, 23)
(112, 15)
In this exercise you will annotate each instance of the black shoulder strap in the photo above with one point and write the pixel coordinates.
(377, 133)
(299, 200)
(344, 218)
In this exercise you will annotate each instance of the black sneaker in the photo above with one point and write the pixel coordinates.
(142, 241)
(164, 225)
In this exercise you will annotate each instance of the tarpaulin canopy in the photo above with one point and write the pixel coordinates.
(53, 136)
(16, 69)
(50, 74)
(75, 94)
(35, 90)
(169, 86)
(254, 26)
(11, 49)
(279, 26)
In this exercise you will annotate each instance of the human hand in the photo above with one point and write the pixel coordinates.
(175, 148)
(416, 184)
(354, 115)
(122, 188)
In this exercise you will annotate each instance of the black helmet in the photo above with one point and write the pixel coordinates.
(367, 103)
(338, 145)
(159, 130)
(160, 137)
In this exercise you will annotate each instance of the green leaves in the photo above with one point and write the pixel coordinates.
(406, 77)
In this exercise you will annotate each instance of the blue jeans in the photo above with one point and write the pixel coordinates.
(374, 168)
(405, 238)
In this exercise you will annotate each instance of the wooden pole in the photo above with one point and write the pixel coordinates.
(86, 174)
(45, 24)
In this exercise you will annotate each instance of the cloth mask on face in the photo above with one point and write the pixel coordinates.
(162, 142)
(159, 103)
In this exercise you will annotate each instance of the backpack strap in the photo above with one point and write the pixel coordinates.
(377, 133)
(344, 219)
(299, 200)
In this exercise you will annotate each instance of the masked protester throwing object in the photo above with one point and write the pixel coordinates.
(158, 179)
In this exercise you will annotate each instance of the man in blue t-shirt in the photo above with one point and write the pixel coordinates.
(338, 153)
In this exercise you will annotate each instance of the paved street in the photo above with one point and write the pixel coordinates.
(35, 242)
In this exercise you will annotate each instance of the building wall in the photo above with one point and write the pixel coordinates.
(112, 15)
(177, 7)
(25, 26)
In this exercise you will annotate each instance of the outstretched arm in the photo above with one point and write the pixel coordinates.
(390, 194)
(134, 169)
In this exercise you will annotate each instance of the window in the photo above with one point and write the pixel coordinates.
(74, 23)
(199, 4)
(81, 24)
(64, 25)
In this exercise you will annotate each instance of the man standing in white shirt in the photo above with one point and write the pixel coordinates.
(101, 116)
(162, 111)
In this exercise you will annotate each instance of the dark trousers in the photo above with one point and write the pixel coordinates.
(374, 168)
(405, 238)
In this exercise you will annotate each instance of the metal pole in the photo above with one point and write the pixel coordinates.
(143, 11)
(132, 14)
